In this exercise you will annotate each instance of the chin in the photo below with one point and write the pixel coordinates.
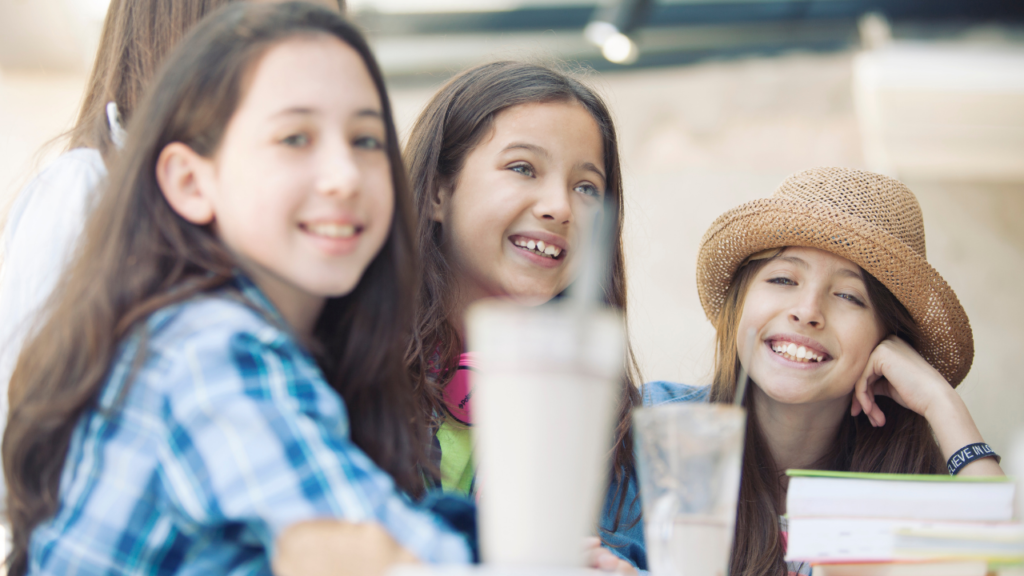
(334, 288)
(799, 393)
(531, 295)
(793, 393)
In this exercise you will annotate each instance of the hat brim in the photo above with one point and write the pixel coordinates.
(947, 342)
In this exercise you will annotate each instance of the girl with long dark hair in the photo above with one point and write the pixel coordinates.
(506, 162)
(224, 360)
(44, 226)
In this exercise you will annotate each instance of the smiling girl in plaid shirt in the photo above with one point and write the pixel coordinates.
(223, 363)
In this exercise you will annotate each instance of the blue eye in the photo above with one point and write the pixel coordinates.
(296, 140)
(782, 280)
(369, 143)
(524, 169)
(588, 190)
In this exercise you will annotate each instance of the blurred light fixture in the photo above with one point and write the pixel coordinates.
(620, 49)
(611, 26)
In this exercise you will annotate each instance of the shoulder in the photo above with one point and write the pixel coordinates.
(81, 167)
(66, 184)
(661, 392)
(214, 353)
(221, 345)
(212, 320)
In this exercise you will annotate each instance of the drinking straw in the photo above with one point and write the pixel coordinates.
(586, 291)
(741, 380)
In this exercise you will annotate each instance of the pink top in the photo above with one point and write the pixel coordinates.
(458, 392)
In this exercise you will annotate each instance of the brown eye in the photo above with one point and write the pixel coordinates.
(851, 298)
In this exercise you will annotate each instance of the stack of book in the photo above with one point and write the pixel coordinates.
(895, 524)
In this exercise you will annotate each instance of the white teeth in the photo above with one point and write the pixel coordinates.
(538, 246)
(794, 352)
(332, 230)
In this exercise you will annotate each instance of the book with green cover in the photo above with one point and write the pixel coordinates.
(814, 493)
(792, 472)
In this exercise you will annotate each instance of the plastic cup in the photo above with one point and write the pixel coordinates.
(688, 458)
(545, 393)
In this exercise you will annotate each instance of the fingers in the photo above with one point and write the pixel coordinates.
(606, 561)
(864, 397)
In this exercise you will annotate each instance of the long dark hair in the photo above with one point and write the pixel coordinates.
(453, 123)
(904, 445)
(138, 256)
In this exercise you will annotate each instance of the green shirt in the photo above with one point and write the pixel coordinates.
(457, 468)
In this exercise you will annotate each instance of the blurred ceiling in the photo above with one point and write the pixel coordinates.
(434, 37)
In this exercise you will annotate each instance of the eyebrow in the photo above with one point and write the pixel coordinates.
(589, 166)
(538, 150)
(304, 111)
(524, 146)
(842, 271)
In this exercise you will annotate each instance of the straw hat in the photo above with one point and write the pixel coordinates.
(869, 219)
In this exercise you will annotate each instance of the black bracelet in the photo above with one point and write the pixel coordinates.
(968, 454)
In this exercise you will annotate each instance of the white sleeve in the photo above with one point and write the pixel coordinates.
(39, 237)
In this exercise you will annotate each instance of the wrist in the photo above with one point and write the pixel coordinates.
(946, 408)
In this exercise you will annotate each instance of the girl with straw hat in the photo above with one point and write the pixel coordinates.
(853, 344)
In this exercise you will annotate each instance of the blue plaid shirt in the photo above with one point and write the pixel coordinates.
(226, 434)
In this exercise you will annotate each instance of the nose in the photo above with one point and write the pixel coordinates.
(337, 172)
(807, 310)
(553, 204)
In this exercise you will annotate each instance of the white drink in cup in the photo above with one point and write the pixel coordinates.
(545, 395)
(688, 463)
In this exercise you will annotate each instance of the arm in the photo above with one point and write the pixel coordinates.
(337, 548)
(896, 370)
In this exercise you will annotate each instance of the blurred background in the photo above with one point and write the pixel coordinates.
(716, 102)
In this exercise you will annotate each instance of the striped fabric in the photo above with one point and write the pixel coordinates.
(226, 435)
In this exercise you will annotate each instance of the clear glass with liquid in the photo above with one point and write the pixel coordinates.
(688, 462)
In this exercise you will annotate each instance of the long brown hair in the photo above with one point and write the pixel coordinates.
(136, 36)
(904, 445)
(453, 123)
(138, 256)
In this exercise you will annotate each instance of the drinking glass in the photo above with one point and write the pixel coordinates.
(688, 462)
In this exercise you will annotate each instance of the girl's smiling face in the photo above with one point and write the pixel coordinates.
(512, 220)
(814, 327)
(300, 188)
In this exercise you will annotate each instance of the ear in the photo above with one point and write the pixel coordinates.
(439, 202)
(185, 179)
